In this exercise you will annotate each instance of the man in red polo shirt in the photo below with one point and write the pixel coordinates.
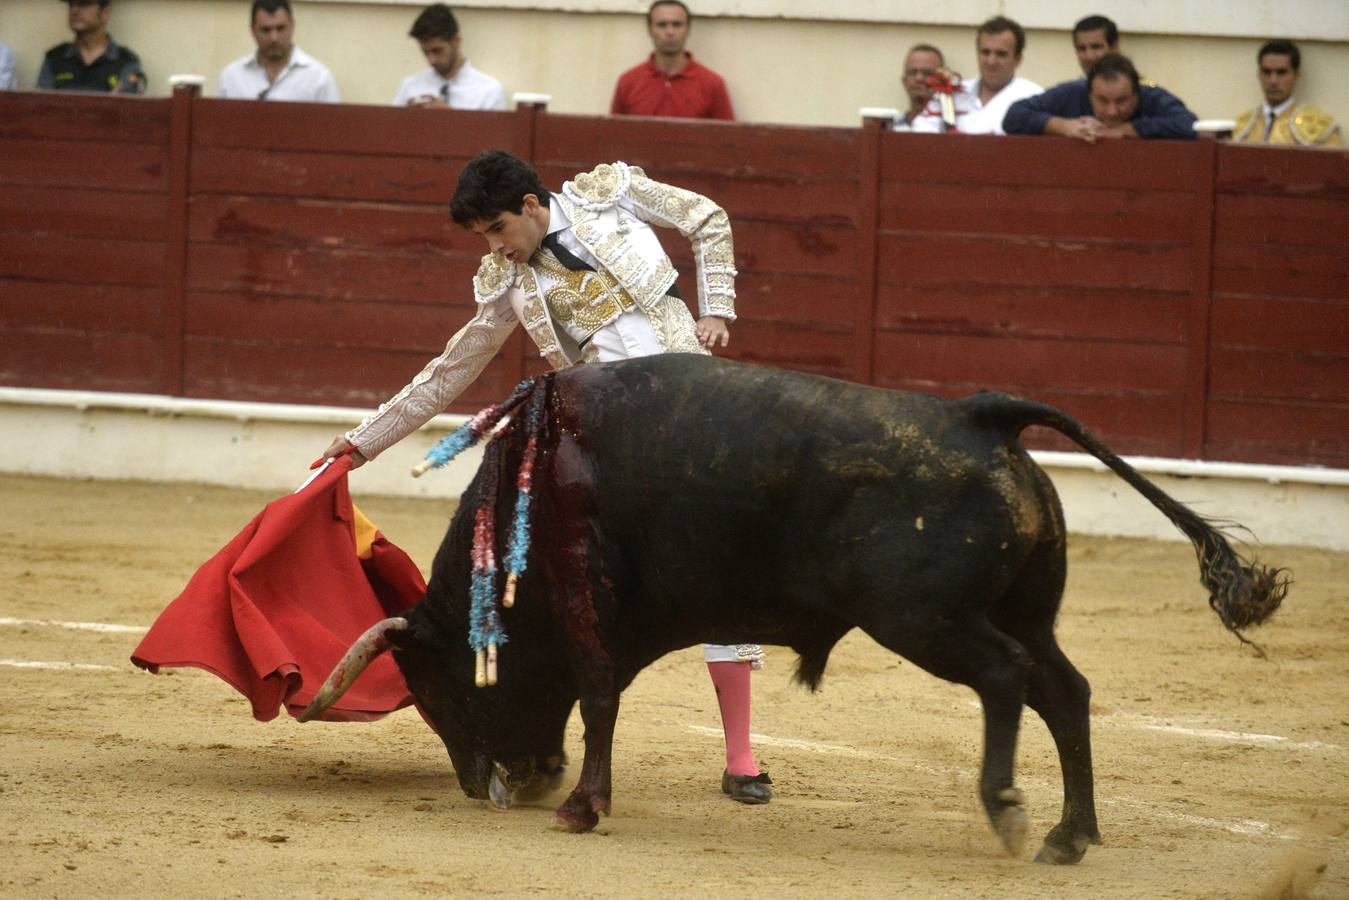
(671, 82)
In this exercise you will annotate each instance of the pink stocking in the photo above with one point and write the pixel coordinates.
(731, 679)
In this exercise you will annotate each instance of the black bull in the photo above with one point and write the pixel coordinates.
(682, 499)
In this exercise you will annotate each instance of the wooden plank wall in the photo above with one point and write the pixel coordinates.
(1184, 300)
(322, 264)
(1279, 388)
(1065, 278)
(83, 209)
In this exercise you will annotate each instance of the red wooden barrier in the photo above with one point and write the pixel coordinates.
(1184, 299)
(83, 227)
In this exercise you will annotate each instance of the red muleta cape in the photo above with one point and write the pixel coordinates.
(279, 605)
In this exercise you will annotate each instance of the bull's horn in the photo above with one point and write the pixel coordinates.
(368, 646)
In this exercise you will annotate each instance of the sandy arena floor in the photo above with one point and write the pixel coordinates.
(1219, 774)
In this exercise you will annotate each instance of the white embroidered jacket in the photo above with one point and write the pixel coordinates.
(611, 210)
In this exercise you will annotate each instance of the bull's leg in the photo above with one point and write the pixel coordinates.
(975, 653)
(1061, 696)
(1002, 689)
(591, 796)
(1057, 692)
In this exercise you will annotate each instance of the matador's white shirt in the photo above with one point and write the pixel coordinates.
(626, 335)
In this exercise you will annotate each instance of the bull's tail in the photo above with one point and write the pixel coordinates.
(1242, 592)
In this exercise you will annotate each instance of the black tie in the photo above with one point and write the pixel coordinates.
(576, 264)
(565, 256)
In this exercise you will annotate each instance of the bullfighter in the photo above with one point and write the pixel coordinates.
(585, 273)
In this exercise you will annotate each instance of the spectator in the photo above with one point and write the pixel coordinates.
(1094, 37)
(279, 70)
(671, 82)
(1281, 119)
(922, 62)
(981, 104)
(1110, 103)
(93, 61)
(450, 81)
(8, 81)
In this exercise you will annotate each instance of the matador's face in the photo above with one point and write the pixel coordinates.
(515, 235)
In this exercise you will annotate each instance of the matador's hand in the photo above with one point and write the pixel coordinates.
(338, 447)
(712, 332)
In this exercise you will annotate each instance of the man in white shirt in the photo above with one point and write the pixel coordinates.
(278, 70)
(451, 81)
(981, 104)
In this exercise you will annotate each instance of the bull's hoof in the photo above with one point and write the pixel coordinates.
(1059, 855)
(1010, 821)
(575, 816)
(1061, 850)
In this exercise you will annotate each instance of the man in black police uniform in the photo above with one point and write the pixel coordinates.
(93, 61)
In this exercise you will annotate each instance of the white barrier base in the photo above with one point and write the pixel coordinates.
(268, 446)
(147, 437)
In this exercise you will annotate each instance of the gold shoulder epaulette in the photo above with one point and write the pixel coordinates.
(600, 187)
(1245, 122)
(493, 279)
(1312, 125)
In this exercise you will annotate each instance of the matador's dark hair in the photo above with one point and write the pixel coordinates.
(491, 184)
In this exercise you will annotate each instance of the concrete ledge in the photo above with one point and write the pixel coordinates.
(149, 437)
(268, 446)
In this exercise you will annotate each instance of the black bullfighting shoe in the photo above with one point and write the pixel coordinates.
(747, 788)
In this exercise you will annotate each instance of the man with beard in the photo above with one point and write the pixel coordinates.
(93, 61)
(671, 82)
(279, 70)
(450, 82)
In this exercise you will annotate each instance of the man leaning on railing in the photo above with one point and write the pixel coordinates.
(1109, 104)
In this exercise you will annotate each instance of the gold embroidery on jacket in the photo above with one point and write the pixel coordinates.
(675, 328)
(599, 188)
(585, 301)
(534, 315)
(493, 278)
